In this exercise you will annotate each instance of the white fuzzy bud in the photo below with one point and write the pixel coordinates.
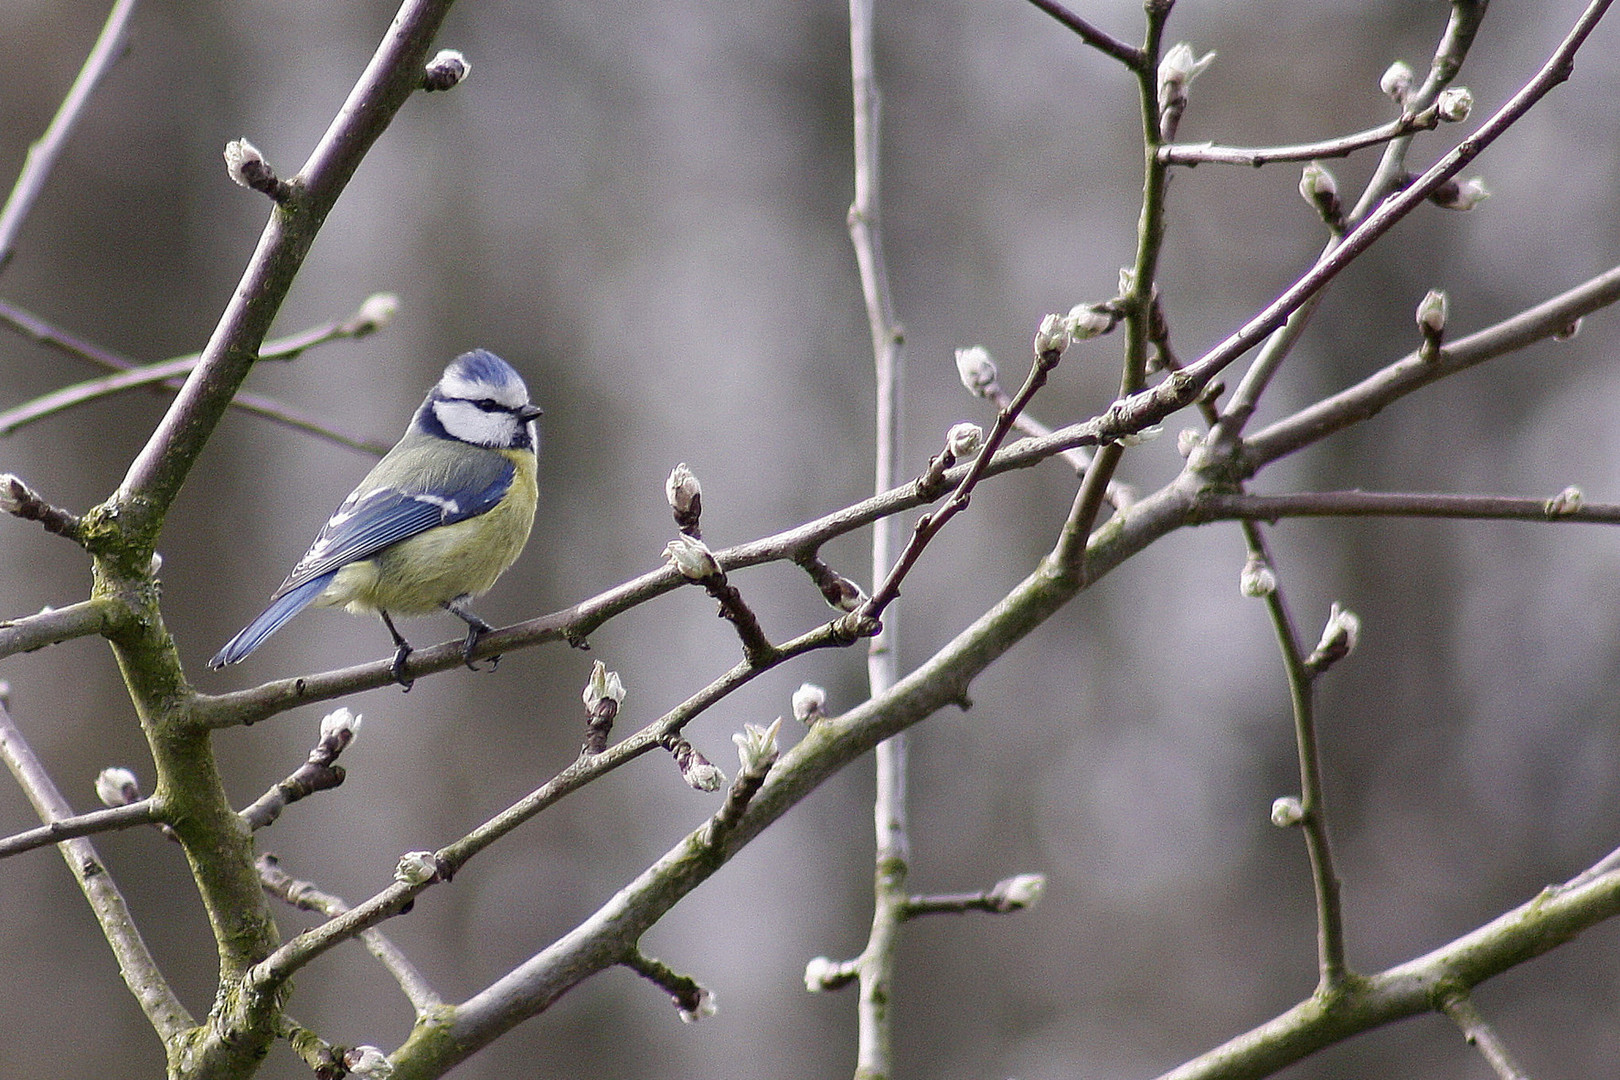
(1127, 280)
(340, 723)
(756, 746)
(1565, 502)
(1339, 638)
(376, 312)
(1257, 579)
(819, 973)
(707, 1005)
(682, 489)
(416, 868)
(1137, 438)
(1455, 103)
(245, 163)
(14, 493)
(1287, 812)
(445, 70)
(1180, 66)
(1397, 81)
(965, 440)
(1053, 335)
(1021, 891)
(1187, 440)
(976, 369)
(691, 557)
(117, 787)
(1463, 195)
(809, 703)
(603, 686)
(1319, 188)
(368, 1063)
(1086, 322)
(1431, 313)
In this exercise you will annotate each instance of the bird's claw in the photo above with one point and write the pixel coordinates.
(397, 669)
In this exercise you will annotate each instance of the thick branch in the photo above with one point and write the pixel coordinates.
(140, 971)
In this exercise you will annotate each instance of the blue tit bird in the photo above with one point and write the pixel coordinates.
(438, 519)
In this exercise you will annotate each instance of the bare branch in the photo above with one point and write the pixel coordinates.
(1480, 1034)
(307, 897)
(42, 154)
(54, 625)
(1256, 156)
(1225, 506)
(1548, 319)
(20, 500)
(1125, 53)
(110, 819)
(140, 971)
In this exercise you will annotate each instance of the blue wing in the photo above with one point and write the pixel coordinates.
(370, 520)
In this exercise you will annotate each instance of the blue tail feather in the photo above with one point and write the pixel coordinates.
(270, 620)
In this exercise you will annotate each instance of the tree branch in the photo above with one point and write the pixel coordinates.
(1209, 153)
(135, 962)
(1228, 506)
(42, 154)
(1124, 52)
(109, 819)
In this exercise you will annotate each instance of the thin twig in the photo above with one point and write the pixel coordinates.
(42, 154)
(305, 896)
(129, 375)
(135, 962)
(1331, 968)
(875, 1038)
(1481, 1036)
(1366, 398)
(1226, 506)
(109, 819)
(1256, 156)
(1125, 53)
(54, 625)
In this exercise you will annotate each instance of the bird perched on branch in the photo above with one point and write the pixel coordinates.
(442, 515)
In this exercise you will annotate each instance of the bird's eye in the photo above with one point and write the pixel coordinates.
(489, 405)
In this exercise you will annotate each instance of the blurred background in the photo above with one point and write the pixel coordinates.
(642, 207)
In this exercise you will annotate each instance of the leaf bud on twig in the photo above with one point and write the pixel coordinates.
(691, 557)
(445, 70)
(1090, 320)
(1257, 579)
(1455, 103)
(809, 704)
(1321, 190)
(685, 496)
(707, 1005)
(604, 691)
(1287, 812)
(1396, 81)
(368, 1063)
(1053, 335)
(698, 771)
(1339, 638)
(246, 165)
(340, 725)
(1566, 502)
(964, 441)
(1457, 194)
(1431, 321)
(756, 747)
(976, 370)
(417, 868)
(117, 787)
(1020, 892)
(1177, 70)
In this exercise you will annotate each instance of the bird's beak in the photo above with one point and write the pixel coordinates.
(530, 412)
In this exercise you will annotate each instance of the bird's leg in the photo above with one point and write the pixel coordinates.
(402, 650)
(476, 628)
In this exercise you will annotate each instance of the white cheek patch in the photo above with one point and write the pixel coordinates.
(465, 421)
(455, 385)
